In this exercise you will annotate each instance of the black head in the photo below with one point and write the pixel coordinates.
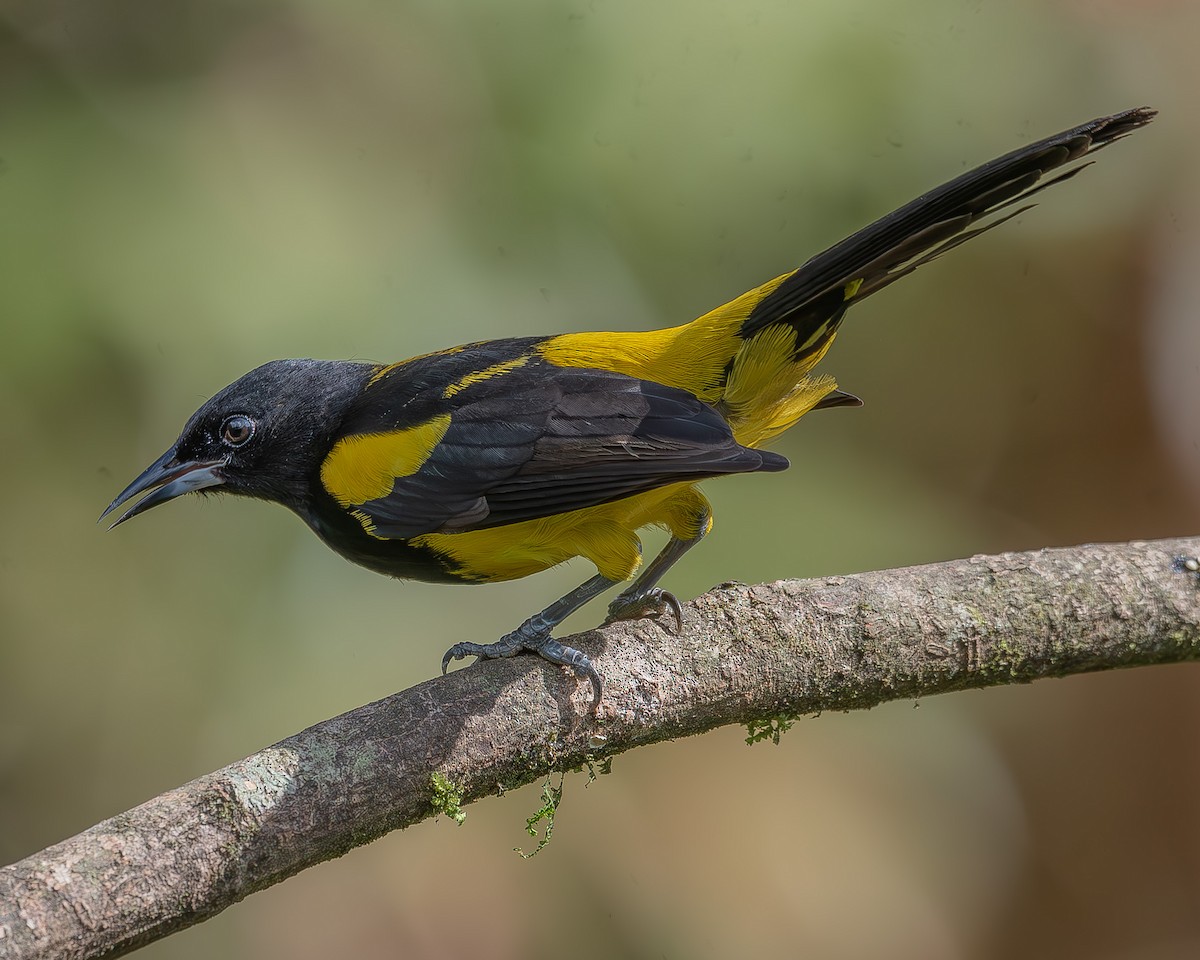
(262, 436)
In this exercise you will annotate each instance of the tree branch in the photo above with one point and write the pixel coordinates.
(746, 654)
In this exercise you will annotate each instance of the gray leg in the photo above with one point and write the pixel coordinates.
(534, 635)
(643, 598)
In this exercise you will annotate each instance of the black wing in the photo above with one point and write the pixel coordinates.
(538, 440)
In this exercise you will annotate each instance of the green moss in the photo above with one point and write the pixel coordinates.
(551, 798)
(771, 728)
(447, 798)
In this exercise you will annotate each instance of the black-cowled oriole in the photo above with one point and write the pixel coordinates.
(498, 459)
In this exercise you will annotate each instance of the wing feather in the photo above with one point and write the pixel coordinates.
(539, 440)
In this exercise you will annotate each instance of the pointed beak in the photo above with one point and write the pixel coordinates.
(167, 478)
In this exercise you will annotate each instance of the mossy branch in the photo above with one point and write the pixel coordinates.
(748, 655)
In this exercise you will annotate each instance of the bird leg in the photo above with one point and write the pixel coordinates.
(643, 598)
(534, 635)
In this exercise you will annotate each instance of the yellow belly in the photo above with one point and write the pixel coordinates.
(605, 534)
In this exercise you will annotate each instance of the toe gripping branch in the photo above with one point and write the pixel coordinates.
(534, 636)
(642, 599)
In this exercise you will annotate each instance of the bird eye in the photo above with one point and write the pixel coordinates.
(236, 430)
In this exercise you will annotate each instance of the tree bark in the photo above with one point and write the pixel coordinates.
(746, 654)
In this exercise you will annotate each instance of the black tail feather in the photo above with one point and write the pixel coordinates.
(838, 398)
(814, 298)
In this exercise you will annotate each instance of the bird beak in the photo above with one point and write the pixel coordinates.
(168, 478)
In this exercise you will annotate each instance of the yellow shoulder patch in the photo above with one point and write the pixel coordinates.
(365, 467)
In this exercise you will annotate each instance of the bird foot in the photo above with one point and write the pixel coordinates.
(646, 603)
(536, 641)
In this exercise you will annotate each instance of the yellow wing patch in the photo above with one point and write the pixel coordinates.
(365, 467)
(495, 370)
(367, 523)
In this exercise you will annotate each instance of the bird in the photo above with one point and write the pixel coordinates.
(498, 459)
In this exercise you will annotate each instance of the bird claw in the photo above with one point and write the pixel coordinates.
(506, 646)
(543, 645)
(650, 603)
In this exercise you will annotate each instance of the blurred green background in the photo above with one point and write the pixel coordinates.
(190, 189)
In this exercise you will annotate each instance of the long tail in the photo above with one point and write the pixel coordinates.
(921, 231)
(751, 357)
(787, 324)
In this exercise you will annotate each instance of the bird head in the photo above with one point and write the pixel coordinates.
(263, 436)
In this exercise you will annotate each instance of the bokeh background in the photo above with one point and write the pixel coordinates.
(190, 189)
